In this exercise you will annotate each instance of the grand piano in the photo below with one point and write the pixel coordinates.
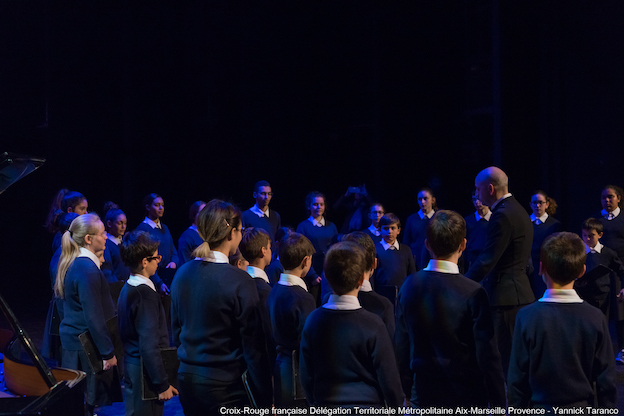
(32, 387)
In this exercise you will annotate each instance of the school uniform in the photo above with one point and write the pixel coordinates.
(51, 345)
(268, 220)
(120, 270)
(143, 330)
(476, 233)
(378, 305)
(561, 346)
(542, 228)
(320, 233)
(87, 306)
(275, 269)
(187, 243)
(395, 263)
(613, 237)
(217, 327)
(289, 307)
(347, 357)
(166, 248)
(374, 233)
(261, 279)
(445, 340)
(415, 234)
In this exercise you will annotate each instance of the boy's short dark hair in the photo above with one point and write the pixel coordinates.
(252, 243)
(563, 257)
(363, 240)
(445, 233)
(281, 232)
(259, 184)
(234, 258)
(593, 224)
(136, 246)
(293, 248)
(388, 219)
(345, 265)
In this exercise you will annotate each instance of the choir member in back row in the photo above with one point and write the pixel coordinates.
(260, 216)
(190, 238)
(544, 224)
(65, 201)
(416, 225)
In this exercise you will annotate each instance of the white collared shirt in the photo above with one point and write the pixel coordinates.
(422, 215)
(543, 218)
(374, 231)
(84, 252)
(291, 280)
(316, 223)
(442, 266)
(597, 249)
(138, 279)
(152, 223)
(386, 246)
(366, 286)
(342, 303)
(257, 273)
(561, 296)
(507, 195)
(256, 210)
(486, 216)
(113, 239)
(615, 212)
(215, 257)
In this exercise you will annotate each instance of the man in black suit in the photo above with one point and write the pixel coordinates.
(502, 265)
(445, 340)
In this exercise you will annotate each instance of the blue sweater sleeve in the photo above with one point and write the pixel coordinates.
(90, 292)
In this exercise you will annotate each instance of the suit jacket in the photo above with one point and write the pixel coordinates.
(501, 266)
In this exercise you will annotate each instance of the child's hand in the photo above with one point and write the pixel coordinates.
(620, 295)
(108, 364)
(165, 289)
(318, 280)
(168, 394)
(171, 265)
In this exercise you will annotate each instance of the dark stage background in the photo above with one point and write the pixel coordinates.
(200, 100)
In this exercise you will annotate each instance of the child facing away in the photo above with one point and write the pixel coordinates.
(143, 326)
(347, 358)
(445, 339)
(289, 307)
(561, 344)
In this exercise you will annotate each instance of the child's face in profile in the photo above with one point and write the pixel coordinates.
(390, 233)
(590, 237)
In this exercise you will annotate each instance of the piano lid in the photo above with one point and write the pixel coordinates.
(14, 167)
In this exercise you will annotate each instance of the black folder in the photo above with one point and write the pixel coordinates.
(171, 362)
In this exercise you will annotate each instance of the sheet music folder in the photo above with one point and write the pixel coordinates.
(171, 362)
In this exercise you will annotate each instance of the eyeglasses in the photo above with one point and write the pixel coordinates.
(538, 202)
(150, 258)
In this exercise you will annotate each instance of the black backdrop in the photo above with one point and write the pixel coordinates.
(196, 101)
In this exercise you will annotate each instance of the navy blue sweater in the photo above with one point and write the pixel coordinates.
(166, 248)
(540, 374)
(87, 306)
(217, 324)
(143, 330)
(289, 307)
(320, 237)
(120, 270)
(187, 243)
(414, 236)
(347, 359)
(270, 224)
(394, 265)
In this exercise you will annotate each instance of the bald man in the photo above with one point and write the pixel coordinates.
(502, 265)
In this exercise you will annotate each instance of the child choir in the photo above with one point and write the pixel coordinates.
(252, 327)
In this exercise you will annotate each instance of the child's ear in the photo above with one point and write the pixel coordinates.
(600, 236)
(361, 281)
(398, 230)
(462, 246)
(540, 270)
(375, 263)
(306, 262)
(583, 272)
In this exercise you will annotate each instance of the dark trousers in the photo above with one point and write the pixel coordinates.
(504, 318)
(201, 396)
(133, 394)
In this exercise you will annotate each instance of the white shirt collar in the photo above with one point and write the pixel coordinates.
(316, 223)
(543, 218)
(507, 195)
(256, 210)
(422, 215)
(442, 266)
(257, 273)
(366, 286)
(87, 253)
(374, 231)
(615, 212)
(486, 217)
(597, 249)
(113, 239)
(138, 279)
(152, 223)
(386, 246)
(342, 303)
(291, 280)
(214, 257)
(561, 296)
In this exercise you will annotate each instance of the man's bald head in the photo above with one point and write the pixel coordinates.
(491, 184)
